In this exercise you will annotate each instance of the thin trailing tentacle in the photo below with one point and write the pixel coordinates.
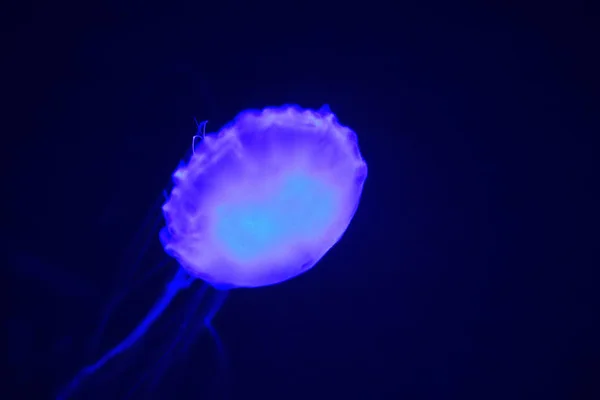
(142, 240)
(180, 281)
(216, 306)
(188, 333)
(130, 264)
(200, 133)
(223, 376)
(162, 364)
(115, 301)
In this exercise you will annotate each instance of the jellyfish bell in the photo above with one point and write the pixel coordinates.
(264, 199)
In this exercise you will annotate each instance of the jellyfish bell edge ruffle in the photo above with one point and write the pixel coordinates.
(342, 139)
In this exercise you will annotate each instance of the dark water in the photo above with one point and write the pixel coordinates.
(464, 274)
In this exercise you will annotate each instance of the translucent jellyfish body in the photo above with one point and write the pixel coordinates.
(256, 204)
(264, 199)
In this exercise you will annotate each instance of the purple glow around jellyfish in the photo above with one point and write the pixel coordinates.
(256, 204)
(264, 199)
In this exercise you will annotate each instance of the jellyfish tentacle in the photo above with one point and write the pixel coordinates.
(162, 364)
(220, 298)
(150, 226)
(186, 337)
(141, 242)
(216, 306)
(138, 248)
(114, 302)
(199, 135)
(180, 281)
(221, 357)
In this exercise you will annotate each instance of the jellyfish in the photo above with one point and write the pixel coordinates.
(256, 204)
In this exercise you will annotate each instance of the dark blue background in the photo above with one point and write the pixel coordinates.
(463, 273)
